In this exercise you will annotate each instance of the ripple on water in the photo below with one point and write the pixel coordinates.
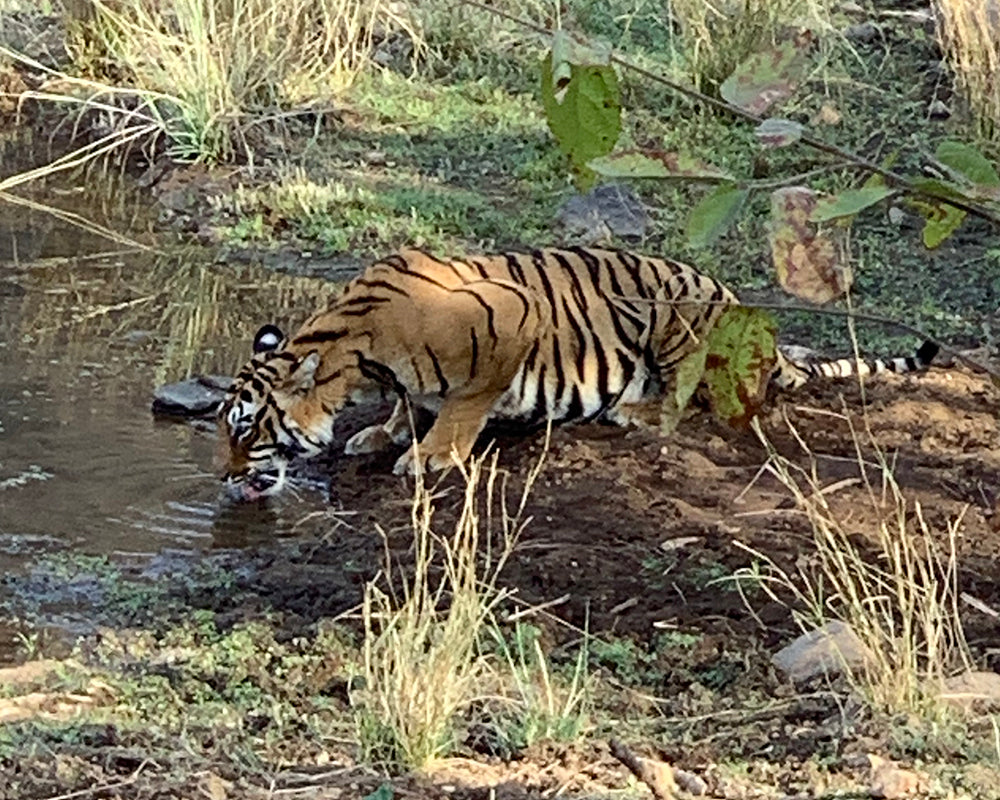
(82, 461)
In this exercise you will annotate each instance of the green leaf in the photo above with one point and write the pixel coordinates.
(687, 376)
(656, 164)
(848, 203)
(586, 117)
(776, 132)
(383, 792)
(939, 188)
(769, 77)
(968, 162)
(714, 214)
(567, 51)
(742, 352)
(941, 222)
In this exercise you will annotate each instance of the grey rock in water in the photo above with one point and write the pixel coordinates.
(196, 397)
(606, 210)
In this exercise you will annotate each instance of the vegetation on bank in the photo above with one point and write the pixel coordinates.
(360, 126)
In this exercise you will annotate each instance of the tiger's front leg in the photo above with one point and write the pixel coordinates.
(395, 430)
(474, 341)
(460, 421)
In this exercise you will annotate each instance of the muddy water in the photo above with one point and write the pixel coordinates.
(87, 330)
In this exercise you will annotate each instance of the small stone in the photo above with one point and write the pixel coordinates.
(888, 781)
(896, 215)
(690, 783)
(195, 397)
(829, 650)
(862, 32)
(975, 690)
(938, 109)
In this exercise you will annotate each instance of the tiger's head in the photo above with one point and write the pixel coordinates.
(271, 416)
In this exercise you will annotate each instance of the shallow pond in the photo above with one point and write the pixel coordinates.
(88, 328)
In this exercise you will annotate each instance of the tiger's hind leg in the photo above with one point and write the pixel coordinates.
(395, 430)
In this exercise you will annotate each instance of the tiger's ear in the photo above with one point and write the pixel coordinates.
(303, 377)
(267, 339)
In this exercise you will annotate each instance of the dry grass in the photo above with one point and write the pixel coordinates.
(214, 68)
(718, 35)
(970, 35)
(902, 603)
(421, 664)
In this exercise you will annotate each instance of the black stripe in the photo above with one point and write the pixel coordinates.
(519, 294)
(633, 267)
(361, 299)
(380, 373)
(416, 371)
(628, 367)
(381, 284)
(577, 287)
(514, 268)
(437, 371)
(540, 411)
(603, 375)
(475, 354)
(538, 260)
(532, 355)
(331, 377)
(560, 373)
(419, 275)
(581, 340)
(479, 267)
(575, 409)
(315, 337)
(487, 308)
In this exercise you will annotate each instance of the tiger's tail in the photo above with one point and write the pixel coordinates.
(792, 373)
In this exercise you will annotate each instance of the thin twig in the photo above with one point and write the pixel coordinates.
(858, 162)
(106, 787)
(878, 319)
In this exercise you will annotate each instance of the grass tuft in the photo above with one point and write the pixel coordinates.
(897, 590)
(421, 664)
(215, 69)
(969, 31)
(716, 37)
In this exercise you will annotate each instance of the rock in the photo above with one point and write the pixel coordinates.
(862, 32)
(973, 691)
(195, 397)
(610, 209)
(690, 783)
(29, 672)
(938, 109)
(896, 215)
(830, 650)
(888, 781)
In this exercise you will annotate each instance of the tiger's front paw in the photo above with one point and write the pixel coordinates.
(368, 440)
(407, 463)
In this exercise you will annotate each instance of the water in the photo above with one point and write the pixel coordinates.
(87, 330)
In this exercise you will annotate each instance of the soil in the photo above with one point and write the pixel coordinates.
(631, 535)
(608, 501)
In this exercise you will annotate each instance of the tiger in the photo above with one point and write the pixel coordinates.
(560, 334)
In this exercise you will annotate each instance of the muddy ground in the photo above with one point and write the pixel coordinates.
(634, 538)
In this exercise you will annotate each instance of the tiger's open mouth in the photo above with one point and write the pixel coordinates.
(254, 485)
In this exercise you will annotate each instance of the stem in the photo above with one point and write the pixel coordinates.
(855, 161)
(878, 319)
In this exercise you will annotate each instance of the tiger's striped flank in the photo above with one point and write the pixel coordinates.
(558, 334)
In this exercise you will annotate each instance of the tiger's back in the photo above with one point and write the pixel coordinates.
(558, 334)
